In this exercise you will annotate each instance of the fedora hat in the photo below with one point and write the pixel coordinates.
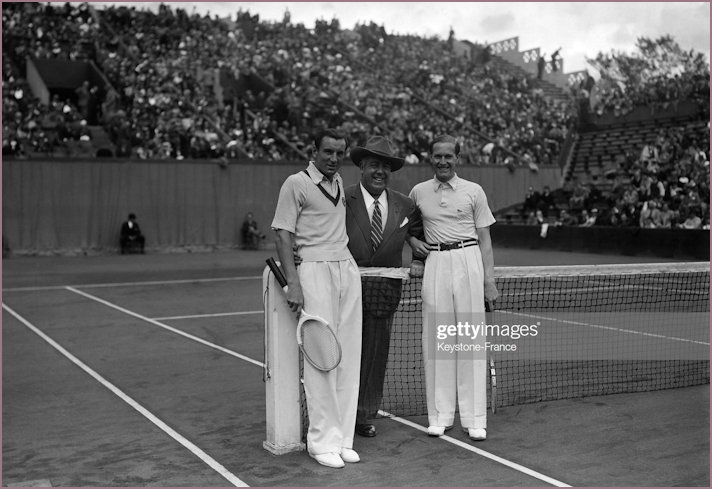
(378, 147)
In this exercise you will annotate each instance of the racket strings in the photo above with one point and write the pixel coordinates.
(319, 345)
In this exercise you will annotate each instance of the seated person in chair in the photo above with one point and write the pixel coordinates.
(251, 235)
(131, 235)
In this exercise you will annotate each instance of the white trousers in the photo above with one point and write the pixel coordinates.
(332, 290)
(454, 283)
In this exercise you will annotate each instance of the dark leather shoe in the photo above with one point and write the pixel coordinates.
(365, 429)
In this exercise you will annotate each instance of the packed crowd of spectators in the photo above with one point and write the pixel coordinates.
(48, 32)
(30, 126)
(169, 90)
(658, 94)
(665, 184)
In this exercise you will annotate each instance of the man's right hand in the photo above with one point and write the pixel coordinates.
(295, 297)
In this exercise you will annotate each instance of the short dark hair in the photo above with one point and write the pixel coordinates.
(329, 133)
(445, 138)
(132, 216)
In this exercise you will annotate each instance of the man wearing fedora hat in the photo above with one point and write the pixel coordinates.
(378, 223)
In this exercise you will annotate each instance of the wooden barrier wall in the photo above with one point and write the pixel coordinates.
(682, 244)
(77, 207)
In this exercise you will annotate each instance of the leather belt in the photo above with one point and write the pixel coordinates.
(455, 245)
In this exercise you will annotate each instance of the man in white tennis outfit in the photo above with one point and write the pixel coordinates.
(458, 278)
(311, 214)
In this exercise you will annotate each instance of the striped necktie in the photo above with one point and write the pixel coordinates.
(376, 227)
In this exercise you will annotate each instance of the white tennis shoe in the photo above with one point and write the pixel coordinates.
(437, 430)
(349, 456)
(332, 459)
(477, 434)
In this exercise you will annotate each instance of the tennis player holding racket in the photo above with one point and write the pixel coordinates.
(458, 279)
(311, 214)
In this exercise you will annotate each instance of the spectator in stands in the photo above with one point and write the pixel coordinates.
(566, 219)
(546, 201)
(579, 197)
(646, 215)
(692, 221)
(614, 214)
(83, 96)
(555, 60)
(131, 235)
(531, 202)
(540, 65)
(664, 217)
(251, 235)
(587, 219)
(532, 218)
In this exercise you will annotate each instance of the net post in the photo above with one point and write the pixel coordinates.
(282, 385)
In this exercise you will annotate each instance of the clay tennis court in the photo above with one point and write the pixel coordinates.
(145, 370)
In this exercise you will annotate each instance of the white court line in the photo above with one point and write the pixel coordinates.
(215, 315)
(610, 328)
(211, 462)
(165, 326)
(482, 453)
(128, 284)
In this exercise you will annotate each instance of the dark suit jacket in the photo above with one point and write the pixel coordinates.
(380, 295)
(130, 233)
(358, 228)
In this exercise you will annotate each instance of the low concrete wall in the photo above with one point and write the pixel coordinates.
(684, 244)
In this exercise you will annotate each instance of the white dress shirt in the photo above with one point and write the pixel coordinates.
(370, 206)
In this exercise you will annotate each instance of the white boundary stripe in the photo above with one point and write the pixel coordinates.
(482, 453)
(610, 328)
(217, 314)
(165, 326)
(129, 284)
(211, 462)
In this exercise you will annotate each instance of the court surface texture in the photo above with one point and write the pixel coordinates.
(146, 370)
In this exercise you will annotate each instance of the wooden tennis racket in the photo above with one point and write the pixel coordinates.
(315, 337)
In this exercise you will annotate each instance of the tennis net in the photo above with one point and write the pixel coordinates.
(603, 329)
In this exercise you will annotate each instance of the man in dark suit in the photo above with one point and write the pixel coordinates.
(131, 234)
(378, 222)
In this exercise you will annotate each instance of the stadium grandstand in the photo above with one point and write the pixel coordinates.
(122, 83)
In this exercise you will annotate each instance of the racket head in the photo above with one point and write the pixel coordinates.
(318, 342)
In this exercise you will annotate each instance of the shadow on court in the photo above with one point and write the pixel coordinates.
(134, 322)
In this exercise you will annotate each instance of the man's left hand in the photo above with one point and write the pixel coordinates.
(491, 292)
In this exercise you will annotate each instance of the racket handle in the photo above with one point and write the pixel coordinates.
(278, 275)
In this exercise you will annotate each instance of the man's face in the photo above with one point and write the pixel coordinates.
(444, 161)
(375, 175)
(329, 156)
